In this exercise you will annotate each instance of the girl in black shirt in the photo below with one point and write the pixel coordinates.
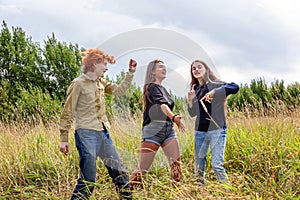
(158, 120)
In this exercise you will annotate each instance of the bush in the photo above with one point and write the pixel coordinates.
(36, 106)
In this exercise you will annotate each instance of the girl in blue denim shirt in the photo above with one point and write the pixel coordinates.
(206, 101)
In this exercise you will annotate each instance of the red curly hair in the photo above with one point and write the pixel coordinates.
(94, 56)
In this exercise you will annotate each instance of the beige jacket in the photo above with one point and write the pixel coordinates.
(85, 102)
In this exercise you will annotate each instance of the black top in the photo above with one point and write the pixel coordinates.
(215, 109)
(158, 95)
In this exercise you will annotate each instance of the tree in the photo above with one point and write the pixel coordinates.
(20, 60)
(62, 64)
(292, 95)
(27, 69)
(131, 101)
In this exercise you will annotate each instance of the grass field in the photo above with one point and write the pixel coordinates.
(262, 161)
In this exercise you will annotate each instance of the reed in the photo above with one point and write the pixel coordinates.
(262, 161)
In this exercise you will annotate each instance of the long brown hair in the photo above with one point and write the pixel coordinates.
(149, 78)
(208, 76)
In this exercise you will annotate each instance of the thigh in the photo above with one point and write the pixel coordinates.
(147, 154)
(86, 142)
(108, 152)
(218, 143)
(201, 144)
(149, 147)
(171, 149)
(86, 145)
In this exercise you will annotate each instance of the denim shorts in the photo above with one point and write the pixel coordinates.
(158, 132)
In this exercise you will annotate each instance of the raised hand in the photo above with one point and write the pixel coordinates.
(132, 65)
(191, 95)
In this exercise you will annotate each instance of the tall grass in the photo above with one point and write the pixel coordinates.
(262, 161)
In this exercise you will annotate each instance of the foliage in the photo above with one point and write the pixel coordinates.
(20, 63)
(62, 63)
(37, 106)
(120, 105)
(26, 68)
(6, 107)
(266, 100)
(21, 60)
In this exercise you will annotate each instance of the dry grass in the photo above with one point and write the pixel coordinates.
(263, 162)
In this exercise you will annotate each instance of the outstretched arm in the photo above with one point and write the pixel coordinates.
(226, 89)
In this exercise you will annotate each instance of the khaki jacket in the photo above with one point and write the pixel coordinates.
(85, 102)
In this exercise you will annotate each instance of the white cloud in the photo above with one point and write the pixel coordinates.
(245, 39)
(71, 21)
(287, 12)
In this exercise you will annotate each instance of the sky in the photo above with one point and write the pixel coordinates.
(242, 40)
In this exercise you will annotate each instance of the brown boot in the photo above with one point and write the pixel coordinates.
(135, 180)
(176, 172)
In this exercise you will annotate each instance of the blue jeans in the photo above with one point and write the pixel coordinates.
(216, 140)
(90, 145)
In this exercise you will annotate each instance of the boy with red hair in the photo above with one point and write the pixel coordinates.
(85, 103)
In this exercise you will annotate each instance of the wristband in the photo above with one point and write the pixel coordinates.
(173, 118)
(131, 70)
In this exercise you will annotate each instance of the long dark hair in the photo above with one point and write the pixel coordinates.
(209, 75)
(149, 78)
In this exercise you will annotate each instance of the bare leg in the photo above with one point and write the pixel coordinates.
(171, 150)
(147, 154)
